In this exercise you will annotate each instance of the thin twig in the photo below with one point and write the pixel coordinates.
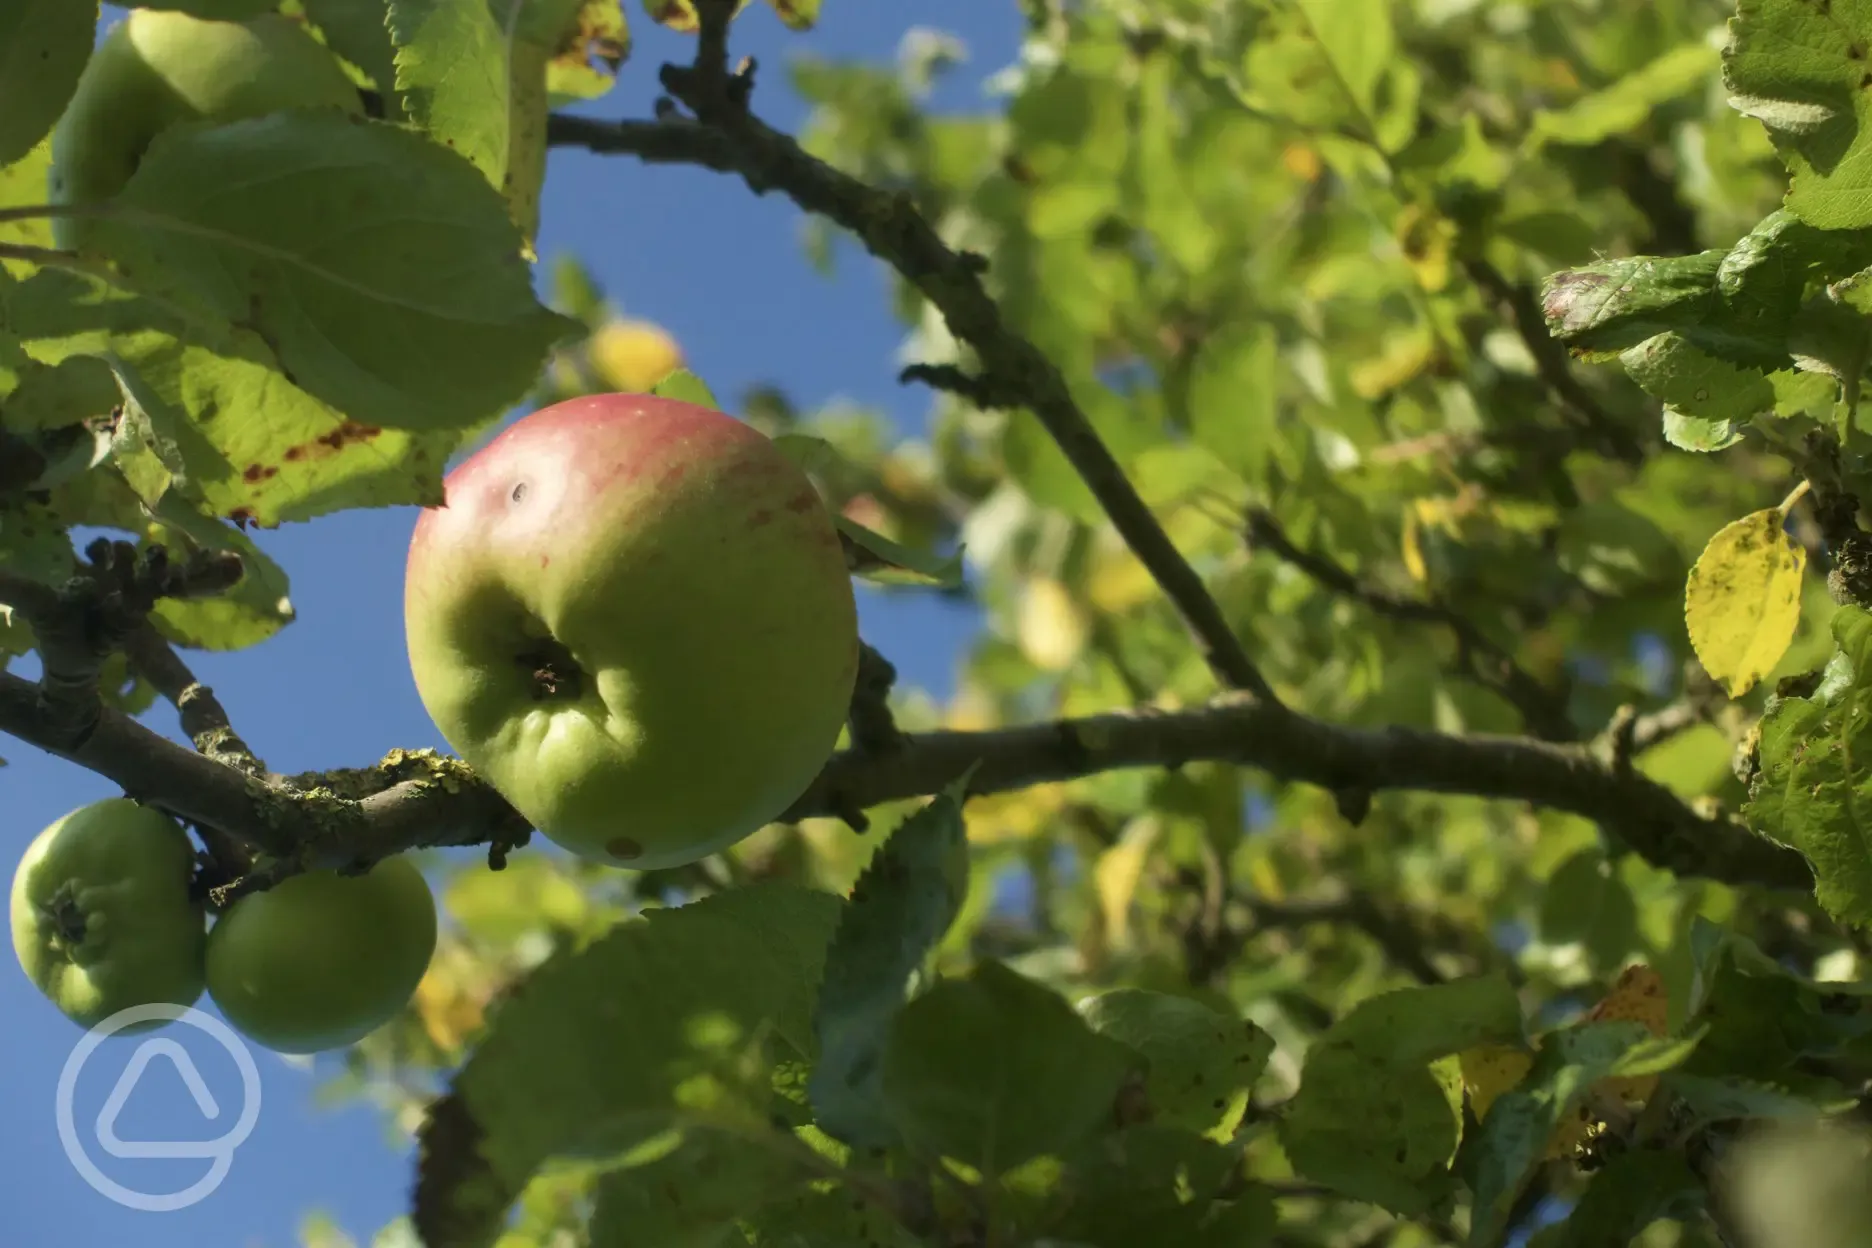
(1489, 664)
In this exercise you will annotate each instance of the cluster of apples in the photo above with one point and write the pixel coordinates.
(631, 615)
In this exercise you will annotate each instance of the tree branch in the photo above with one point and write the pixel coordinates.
(873, 729)
(1543, 709)
(726, 137)
(426, 799)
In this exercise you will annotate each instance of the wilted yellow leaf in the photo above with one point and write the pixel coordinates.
(1638, 996)
(1489, 1071)
(1412, 544)
(1117, 874)
(1016, 815)
(633, 355)
(1743, 600)
(1052, 628)
(1118, 582)
(452, 997)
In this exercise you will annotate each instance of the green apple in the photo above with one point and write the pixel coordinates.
(103, 915)
(157, 69)
(321, 960)
(633, 618)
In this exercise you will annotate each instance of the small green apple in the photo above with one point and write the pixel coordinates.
(321, 960)
(103, 916)
(157, 69)
(633, 617)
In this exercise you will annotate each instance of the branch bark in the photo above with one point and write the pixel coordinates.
(430, 800)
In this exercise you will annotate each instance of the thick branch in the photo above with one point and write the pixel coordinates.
(1491, 665)
(873, 729)
(1288, 746)
(728, 138)
(446, 805)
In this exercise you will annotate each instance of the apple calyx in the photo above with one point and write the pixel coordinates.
(63, 916)
(555, 674)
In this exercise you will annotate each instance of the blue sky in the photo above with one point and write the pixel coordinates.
(724, 272)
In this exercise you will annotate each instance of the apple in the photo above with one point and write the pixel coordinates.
(103, 914)
(633, 355)
(321, 960)
(157, 69)
(632, 617)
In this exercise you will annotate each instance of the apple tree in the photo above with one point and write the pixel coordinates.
(1407, 456)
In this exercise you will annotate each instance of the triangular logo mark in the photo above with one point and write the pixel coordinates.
(146, 1053)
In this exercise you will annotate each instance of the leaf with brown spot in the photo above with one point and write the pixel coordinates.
(797, 14)
(254, 443)
(679, 15)
(589, 52)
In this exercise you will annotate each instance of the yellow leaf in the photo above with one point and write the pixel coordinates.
(1302, 161)
(449, 1002)
(1116, 877)
(1489, 1071)
(1017, 815)
(1743, 600)
(1052, 628)
(1119, 582)
(1412, 545)
(1638, 996)
(633, 355)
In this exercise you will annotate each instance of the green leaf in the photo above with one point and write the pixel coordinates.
(1799, 69)
(686, 387)
(1203, 1064)
(658, 1024)
(1514, 1135)
(1809, 793)
(55, 396)
(23, 185)
(1633, 1190)
(1379, 1111)
(1695, 383)
(899, 910)
(814, 455)
(256, 608)
(1152, 1185)
(1629, 102)
(877, 558)
(1730, 1098)
(1234, 386)
(1357, 39)
(379, 267)
(690, 1187)
(1763, 1023)
(994, 1070)
(44, 45)
(358, 31)
(1694, 433)
(454, 75)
